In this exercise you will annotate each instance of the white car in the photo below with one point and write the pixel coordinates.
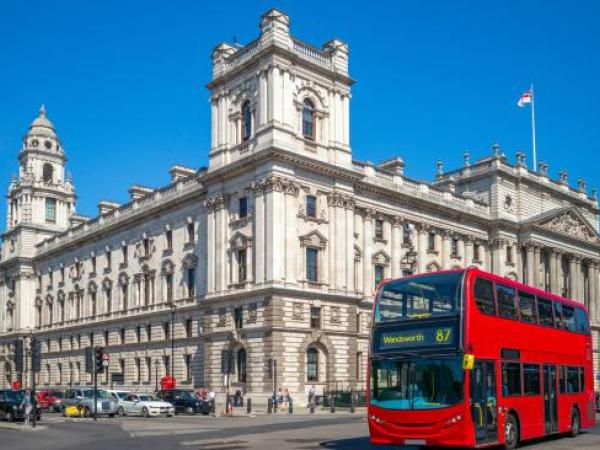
(145, 405)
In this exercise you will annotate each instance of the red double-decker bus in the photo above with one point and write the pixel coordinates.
(465, 358)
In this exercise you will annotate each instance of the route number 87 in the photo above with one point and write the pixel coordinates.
(442, 335)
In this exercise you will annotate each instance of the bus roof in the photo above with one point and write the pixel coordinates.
(473, 271)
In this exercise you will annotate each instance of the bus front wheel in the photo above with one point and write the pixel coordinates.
(511, 433)
(575, 423)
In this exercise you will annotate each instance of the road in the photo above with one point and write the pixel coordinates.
(273, 432)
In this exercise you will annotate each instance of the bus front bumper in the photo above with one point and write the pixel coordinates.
(432, 429)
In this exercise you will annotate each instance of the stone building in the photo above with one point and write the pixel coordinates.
(272, 252)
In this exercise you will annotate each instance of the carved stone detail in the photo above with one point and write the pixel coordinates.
(570, 224)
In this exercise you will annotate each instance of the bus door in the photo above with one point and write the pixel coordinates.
(484, 402)
(550, 399)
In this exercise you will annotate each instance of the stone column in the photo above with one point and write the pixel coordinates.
(594, 306)
(468, 250)
(536, 264)
(258, 225)
(446, 249)
(572, 288)
(422, 231)
(348, 241)
(554, 277)
(368, 281)
(274, 230)
(496, 248)
(396, 246)
(530, 251)
(290, 249)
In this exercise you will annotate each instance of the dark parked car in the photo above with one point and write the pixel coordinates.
(185, 401)
(598, 402)
(10, 405)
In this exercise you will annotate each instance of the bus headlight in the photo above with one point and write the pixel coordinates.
(454, 420)
(376, 419)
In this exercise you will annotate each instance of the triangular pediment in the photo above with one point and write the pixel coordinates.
(568, 222)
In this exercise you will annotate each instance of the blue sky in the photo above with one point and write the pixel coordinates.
(124, 82)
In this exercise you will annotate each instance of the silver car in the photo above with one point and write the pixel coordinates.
(83, 399)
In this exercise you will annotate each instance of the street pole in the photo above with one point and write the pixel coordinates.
(172, 365)
(95, 393)
(156, 373)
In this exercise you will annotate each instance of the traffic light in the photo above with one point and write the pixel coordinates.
(89, 360)
(36, 357)
(99, 359)
(19, 355)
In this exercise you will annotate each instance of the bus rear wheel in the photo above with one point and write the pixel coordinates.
(511, 433)
(575, 423)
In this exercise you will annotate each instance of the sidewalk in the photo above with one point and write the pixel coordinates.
(304, 411)
(20, 426)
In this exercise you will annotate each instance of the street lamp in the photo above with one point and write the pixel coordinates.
(172, 307)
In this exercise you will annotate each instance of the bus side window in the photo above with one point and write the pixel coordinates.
(581, 379)
(558, 315)
(527, 307)
(573, 380)
(484, 296)
(582, 321)
(545, 312)
(568, 313)
(506, 302)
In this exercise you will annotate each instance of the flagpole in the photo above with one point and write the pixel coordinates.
(533, 128)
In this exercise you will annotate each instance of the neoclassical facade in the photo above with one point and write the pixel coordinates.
(268, 257)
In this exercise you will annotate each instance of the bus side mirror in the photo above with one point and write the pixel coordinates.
(468, 361)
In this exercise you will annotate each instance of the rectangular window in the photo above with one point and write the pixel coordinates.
(108, 260)
(138, 334)
(148, 369)
(558, 315)
(582, 321)
(484, 296)
(315, 317)
(431, 242)
(509, 258)
(188, 367)
(243, 207)
(62, 275)
(581, 379)
(379, 274)
(137, 369)
(106, 337)
(148, 333)
(93, 260)
(167, 364)
(527, 307)
(241, 257)
(191, 233)
(359, 366)
(122, 336)
(125, 254)
(545, 315)
(531, 379)
(188, 328)
(573, 380)
(506, 302)
(511, 379)
(166, 330)
(312, 265)
(191, 282)
(239, 318)
(562, 378)
(379, 229)
(568, 314)
(169, 239)
(476, 255)
(358, 322)
(169, 283)
(454, 248)
(311, 206)
(146, 243)
(51, 210)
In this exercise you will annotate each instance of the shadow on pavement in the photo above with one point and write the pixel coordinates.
(361, 443)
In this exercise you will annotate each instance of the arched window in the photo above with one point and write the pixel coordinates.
(246, 121)
(241, 365)
(308, 119)
(47, 173)
(312, 364)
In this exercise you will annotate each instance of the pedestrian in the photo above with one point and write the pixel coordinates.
(286, 398)
(280, 398)
(201, 393)
(311, 396)
(27, 406)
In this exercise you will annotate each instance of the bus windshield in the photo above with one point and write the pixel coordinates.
(419, 297)
(417, 383)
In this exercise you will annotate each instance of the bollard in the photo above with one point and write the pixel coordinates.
(213, 408)
(269, 406)
(291, 408)
(331, 404)
(249, 406)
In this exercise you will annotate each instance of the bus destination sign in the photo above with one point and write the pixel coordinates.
(432, 336)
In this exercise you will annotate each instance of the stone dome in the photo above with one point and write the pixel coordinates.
(41, 125)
